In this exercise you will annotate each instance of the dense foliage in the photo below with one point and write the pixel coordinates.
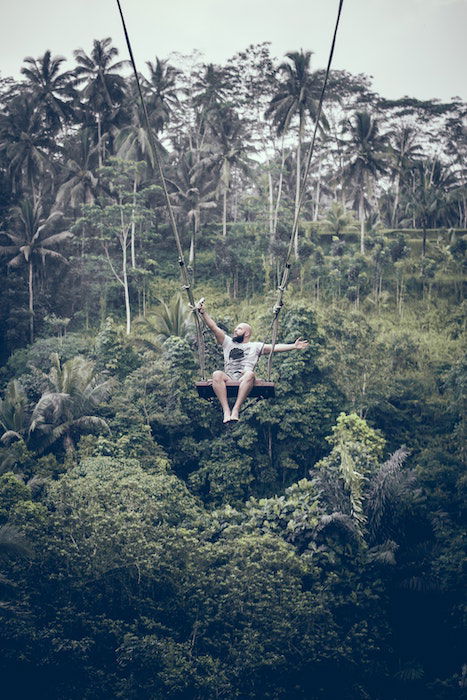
(313, 550)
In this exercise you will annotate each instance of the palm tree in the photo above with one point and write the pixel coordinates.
(297, 97)
(12, 544)
(81, 182)
(338, 219)
(227, 151)
(104, 88)
(366, 150)
(13, 412)
(429, 201)
(404, 151)
(172, 319)
(52, 91)
(69, 408)
(211, 89)
(161, 91)
(193, 192)
(25, 145)
(30, 241)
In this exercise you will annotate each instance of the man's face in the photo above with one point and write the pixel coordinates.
(240, 331)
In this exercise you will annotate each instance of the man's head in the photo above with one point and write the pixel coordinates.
(242, 333)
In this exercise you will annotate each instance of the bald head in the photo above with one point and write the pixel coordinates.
(242, 333)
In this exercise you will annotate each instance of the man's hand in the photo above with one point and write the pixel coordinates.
(301, 344)
(199, 306)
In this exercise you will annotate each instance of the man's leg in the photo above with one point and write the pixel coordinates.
(219, 379)
(246, 385)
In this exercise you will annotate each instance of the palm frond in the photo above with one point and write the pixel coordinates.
(385, 488)
(12, 543)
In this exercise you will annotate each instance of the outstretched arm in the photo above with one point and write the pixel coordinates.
(211, 324)
(283, 347)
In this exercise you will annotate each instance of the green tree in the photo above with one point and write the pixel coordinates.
(161, 91)
(69, 407)
(297, 97)
(338, 220)
(104, 88)
(13, 412)
(366, 160)
(228, 152)
(53, 91)
(31, 240)
(25, 146)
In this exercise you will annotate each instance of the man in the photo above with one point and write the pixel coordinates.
(240, 358)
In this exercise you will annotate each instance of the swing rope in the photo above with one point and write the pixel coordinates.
(173, 223)
(181, 260)
(287, 265)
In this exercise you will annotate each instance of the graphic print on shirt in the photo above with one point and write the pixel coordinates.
(239, 358)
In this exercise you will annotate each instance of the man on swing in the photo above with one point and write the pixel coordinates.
(240, 358)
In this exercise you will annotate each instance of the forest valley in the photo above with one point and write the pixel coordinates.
(314, 550)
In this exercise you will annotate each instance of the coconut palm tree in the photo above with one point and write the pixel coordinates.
(338, 219)
(193, 192)
(366, 160)
(227, 151)
(161, 92)
(211, 88)
(168, 319)
(104, 89)
(25, 146)
(69, 408)
(429, 200)
(404, 151)
(80, 180)
(30, 240)
(13, 412)
(297, 98)
(52, 91)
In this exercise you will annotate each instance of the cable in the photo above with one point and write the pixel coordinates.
(285, 274)
(173, 223)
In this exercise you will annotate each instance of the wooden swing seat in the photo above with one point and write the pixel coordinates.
(260, 390)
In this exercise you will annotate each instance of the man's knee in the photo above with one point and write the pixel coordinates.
(248, 376)
(218, 376)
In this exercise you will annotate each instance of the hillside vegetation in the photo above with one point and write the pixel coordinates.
(314, 550)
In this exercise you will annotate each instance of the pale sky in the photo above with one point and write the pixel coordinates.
(410, 47)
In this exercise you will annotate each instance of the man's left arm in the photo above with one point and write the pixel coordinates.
(299, 344)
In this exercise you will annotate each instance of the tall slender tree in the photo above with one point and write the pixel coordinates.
(53, 91)
(31, 240)
(367, 158)
(297, 98)
(25, 146)
(104, 88)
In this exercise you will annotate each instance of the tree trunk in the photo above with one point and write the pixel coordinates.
(298, 183)
(224, 213)
(31, 301)
(192, 253)
(396, 200)
(279, 188)
(126, 290)
(99, 139)
(361, 215)
(318, 193)
(271, 206)
(133, 255)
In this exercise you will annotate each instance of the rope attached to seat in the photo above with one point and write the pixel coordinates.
(173, 223)
(287, 265)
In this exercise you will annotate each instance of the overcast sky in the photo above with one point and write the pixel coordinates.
(410, 47)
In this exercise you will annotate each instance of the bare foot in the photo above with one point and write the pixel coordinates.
(227, 418)
(234, 415)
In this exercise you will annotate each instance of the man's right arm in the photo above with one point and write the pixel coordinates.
(211, 324)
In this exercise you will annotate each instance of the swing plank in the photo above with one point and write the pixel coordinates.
(263, 390)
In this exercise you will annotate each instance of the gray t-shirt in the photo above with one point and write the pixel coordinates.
(239, 357)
